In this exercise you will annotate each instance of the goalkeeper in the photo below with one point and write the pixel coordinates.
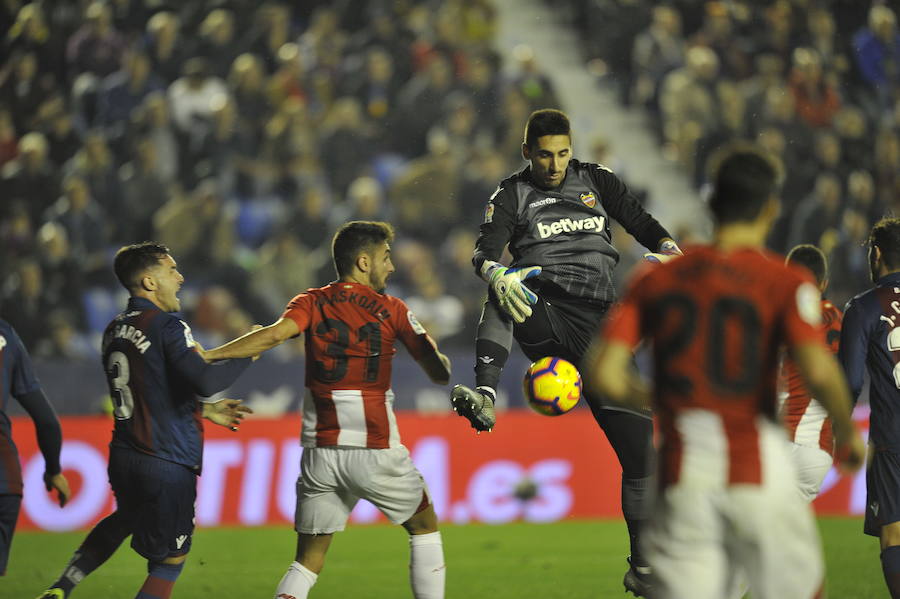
(554, 214)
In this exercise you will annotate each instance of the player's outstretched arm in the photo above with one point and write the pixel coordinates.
(607, 370)
(255, 342)
(437, 366)
(226, 412)
(49, 436)
(667, 250)
(825, 380)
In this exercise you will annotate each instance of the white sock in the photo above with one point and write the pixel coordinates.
(296, 582)
(426, 566)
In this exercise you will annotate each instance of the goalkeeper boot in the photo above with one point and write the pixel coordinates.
(477, 406)
(54, 593)
(637, 580)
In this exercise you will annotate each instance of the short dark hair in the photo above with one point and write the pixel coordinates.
(812, 258)
(885, 236)
(354, 238)
(744, 177)
(133, 260)
(547, 121)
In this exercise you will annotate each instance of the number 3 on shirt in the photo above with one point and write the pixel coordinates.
(337, 350)
(118, 372)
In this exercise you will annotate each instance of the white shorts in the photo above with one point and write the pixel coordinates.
(333, 479)
(812, 464)
(706, 539)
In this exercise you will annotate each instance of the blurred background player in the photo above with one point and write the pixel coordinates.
(351, 443)
(554, 214)
(155, 371)
(870, 342)
(19, 381)
(806, 421)
(717, 319)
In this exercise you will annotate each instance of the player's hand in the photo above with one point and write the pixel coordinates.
(58, 481)
(226, 412)
(515, 299)
(850, 455)
(668, 249)
(477, 406)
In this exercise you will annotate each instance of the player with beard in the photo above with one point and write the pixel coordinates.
(554, 215)
(351, 443)
(870, 342)
(155, 371)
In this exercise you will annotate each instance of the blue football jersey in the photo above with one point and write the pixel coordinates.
(154, 375)
(870, 340)
(17, 378)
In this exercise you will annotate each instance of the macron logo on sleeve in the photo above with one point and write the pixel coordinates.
(592, 224)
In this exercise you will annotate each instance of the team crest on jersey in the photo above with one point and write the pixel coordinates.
(489, 213)
(589, 199)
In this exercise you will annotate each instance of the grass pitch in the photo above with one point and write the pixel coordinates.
(570, 560)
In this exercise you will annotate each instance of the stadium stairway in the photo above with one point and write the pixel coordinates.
(594, 110)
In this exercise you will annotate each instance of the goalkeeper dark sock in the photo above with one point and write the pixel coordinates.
(890, 565)
(100, 544)
(634, 498)
(160, 580)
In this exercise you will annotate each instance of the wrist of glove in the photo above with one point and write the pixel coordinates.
(668, 249)
(514, 298)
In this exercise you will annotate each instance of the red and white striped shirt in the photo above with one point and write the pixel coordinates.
(350, 334)
(717, 321)
(806, 421)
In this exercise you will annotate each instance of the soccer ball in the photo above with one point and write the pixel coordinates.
(552, 386)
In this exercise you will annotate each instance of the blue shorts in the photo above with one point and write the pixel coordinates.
(882, 492)
(156, 497)
(9, 513)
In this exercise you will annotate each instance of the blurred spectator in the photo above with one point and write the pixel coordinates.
(365, 201)
(688, 102)
(347, 139)
(9, 141)
(96, 47)
(479, 173)
(95, 165)
(62, 136)
(288, 80)
(247, 85)
(31, 33)
(31, 176)
(861, 196)
(64, 340)
(420, 104)
(217, 43)
(877, 50)
(151, 120)
(531, 81)
(658, 50)
(886, 168)
(816, 97)
(481, 85)
(164, 45)
(308, 219)
(376, 88)
(22, 87)
(144, 191)
(287, 266)
(851, 127)
(62, 269)
(424, 197)
(124, 90)
(86, 229)
(440, 312)
(270, 31)
(817, 212)
(24, 304)
(191, 95)
(847, 259)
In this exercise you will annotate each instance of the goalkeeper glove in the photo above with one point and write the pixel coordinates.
(515, 299)
(476, 406)
(668, 249)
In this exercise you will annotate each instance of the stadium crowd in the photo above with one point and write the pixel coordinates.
(816, 82)
(241, 135)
